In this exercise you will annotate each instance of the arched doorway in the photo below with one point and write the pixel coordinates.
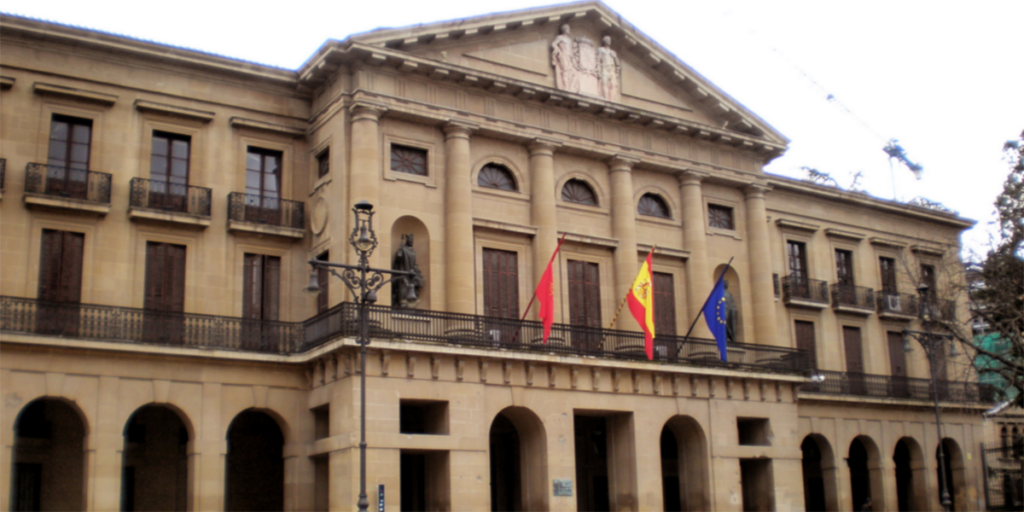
(518, 449)
(255, 463)
(910, 484)
(154, 464)
(865, 473)
(48, 466)
(818, 471)
(955, 477)
(683, 465)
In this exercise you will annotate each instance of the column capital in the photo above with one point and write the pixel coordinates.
(622, 163)
(756, 190)
(543, 147)
(691, 177)
(458, 128)
(362, 110)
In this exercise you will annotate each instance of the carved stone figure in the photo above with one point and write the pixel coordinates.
(731, 315)
(584, 69)
(608, 70)
(405, 290)
(562, 56)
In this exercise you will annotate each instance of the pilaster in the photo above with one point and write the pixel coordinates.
(542, 209)
(365, 166)
(624, 229)
(458, 217)
(698, 277)
(762, 289)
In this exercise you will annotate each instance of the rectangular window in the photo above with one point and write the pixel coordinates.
(263, 186)
(928, 278)
(323, 278)
(60, 281)
(408, 160)
(260, 295)
(323, 163)
(844, 268)
(887, 267)
(169, 170)
(501, 284)
(720, 217)
(664, 305)
(68, 158)
(805, 340)
(798, 280)
(165, 293)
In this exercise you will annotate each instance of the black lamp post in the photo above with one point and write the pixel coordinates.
(932, 345)
(363, 281)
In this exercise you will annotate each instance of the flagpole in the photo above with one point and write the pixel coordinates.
(701, 312)
(530, 305)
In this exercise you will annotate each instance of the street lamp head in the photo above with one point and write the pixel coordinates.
(922, 289)
(314, 282)
(363, 238)
(370, 297)
(906, 342)
(364, 206)
(363, 243)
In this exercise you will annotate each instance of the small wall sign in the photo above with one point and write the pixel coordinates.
(563, 487)
(380, 498)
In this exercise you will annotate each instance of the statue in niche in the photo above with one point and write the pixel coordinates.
(608, 70)
(562, 57)
(731, 314)
(582, 68)
(405, 289)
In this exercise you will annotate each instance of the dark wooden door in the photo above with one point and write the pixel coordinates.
(844, 276)
(501, 284)
(664, 314)
(165, 293)
(897, 364)
(67, 162)
(854, 359)
(585, 303)
(797, 252)
(60, 282)
(261, 298)
(805, 340)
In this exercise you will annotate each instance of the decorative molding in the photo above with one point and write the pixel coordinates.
(460, 368)
(506, 372)
(797, 225)
(636, 381)
(590, 240)
(160, 108)
(693, 385)
(597, 378)
(887, 242)
(656, 383)
(552, 375)
(78, 94)
(385, 362)
(435, 367)
(241, 122)
(505, 226)
(778, 391)
(663, 251)
(484, 367)
(574, 377)
(763, 390)
(410, 366)
(6, 82)
(928, 250)
(841, 233)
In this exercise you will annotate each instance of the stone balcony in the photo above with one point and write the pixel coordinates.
(61, 188)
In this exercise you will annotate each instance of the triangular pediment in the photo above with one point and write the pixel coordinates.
(518, 45)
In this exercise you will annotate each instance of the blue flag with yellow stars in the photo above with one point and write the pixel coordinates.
(714, 314)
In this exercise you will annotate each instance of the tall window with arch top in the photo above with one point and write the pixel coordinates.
(496, 176)
(652, 205)
(579, 192)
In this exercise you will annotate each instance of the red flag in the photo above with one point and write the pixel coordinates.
(545, 294)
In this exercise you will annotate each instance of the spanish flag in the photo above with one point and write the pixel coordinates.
(641, 304)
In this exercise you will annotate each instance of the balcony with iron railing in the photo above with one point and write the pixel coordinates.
(848, 298)
(803, 292)
(52, 186)
(169, 202)
(896, 306)
(266, 215)
(901, 388)
(938, 310)
(133, 325)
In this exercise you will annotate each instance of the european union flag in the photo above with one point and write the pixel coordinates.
(714, 314)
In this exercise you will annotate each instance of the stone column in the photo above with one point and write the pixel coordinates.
(542, 210)
(698, 275)
(104, 446)
(458, 220)
(365, 165)
(762, 289)
(624, 229)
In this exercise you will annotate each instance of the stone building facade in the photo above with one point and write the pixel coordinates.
(160, 206)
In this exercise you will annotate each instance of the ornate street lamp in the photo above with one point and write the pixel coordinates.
(932, 345)
(363, 281)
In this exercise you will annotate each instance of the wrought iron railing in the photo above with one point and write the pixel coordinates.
(499, 333)
(266, 210)
(888, 386)
(939, 309)
(60, 181)
(172, 197)
(848, 295)
(1003, 468)
(803, 289)
(110, 323)
(897, 303)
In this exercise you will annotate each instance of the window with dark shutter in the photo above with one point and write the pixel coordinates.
(579, 192)
(720, 217)
(408, 160)
(854, 359)
(652, 205)
(261, 301)
(897, 363)
(68, 158)
(664, 305)
(797, 252)
(60, 282)
(168, 171)
(805, 340)
(496, 176)
(501, 284)
(584, 302)
(165, 293)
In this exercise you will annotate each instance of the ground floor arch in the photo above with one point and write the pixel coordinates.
(48, 470)
(684, 465)
(819, 474)
(518, 451)
(955, 476)
(865, 473)
(908, 459)
(154, 463)
(254, 473)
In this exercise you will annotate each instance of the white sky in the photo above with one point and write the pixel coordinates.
(942, 77)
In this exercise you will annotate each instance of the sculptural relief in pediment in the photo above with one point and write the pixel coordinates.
(582, 68)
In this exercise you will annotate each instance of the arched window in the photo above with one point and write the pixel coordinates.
(652, 205)
(496, 176)
(577, 191)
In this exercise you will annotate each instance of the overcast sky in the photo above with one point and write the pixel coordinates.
(942, 77)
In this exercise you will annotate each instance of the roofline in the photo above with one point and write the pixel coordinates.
(862, 199)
